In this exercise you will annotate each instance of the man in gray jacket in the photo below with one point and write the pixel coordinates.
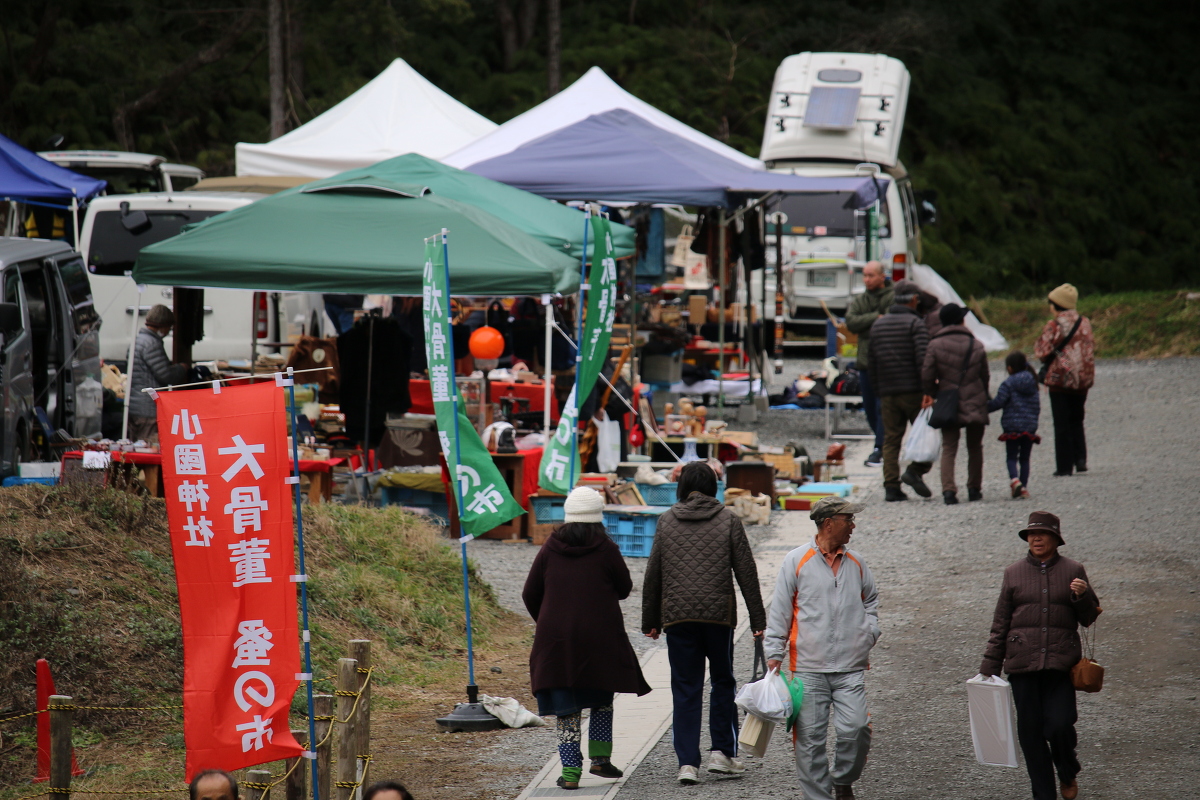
(864, 310)
(151, 369)
(824, 619)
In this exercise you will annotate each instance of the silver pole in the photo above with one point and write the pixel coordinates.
(75, 219)
(133, 329)
(721, 314)
(547, 303)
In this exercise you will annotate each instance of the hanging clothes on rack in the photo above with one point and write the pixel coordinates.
(380, 346)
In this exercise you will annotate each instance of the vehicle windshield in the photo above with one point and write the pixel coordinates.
(823, 214)
(125, 180)
(113, 247)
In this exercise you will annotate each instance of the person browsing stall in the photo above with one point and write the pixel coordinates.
(864, 310)
(151, 370)
(824, 620)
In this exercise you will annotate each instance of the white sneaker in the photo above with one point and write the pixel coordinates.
(689, 775)
(722, 764)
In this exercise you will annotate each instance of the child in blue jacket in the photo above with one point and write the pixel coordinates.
(1018, 396)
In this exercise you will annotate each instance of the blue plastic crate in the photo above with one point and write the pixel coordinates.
(548, 509)
(664, 493)
(633, 533)
(15, 481)
(415, 498)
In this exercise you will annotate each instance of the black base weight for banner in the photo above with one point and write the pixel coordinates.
(470, 716)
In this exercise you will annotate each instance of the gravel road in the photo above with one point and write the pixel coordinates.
(1132, 521)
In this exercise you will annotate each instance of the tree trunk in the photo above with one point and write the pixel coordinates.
(554, 46)
(295, 59)
(508, 33)
(528, 20)
(276, 69)
(123, 114)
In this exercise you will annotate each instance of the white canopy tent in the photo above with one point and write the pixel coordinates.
(594, 93)
(398, 112)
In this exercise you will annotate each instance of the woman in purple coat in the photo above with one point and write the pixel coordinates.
(581, 654)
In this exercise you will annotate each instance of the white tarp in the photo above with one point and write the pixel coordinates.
(928, 280)
(398, 112)
(594, 93)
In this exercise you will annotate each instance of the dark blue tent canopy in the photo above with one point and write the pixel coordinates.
(620, 156)
(25, 175)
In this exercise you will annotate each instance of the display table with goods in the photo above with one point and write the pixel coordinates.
(318, 472)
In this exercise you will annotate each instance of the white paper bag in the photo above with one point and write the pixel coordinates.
(993, 721)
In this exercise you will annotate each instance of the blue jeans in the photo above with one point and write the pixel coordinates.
(689, 644)
(1018, 451)
(871, 407)
(847, 694)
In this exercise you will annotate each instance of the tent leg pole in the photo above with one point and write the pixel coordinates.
(75, 220)
(721, 314)
(547, 304)
(137, 310)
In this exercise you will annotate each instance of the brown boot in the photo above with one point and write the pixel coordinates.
(1070, 790)
(843, 792)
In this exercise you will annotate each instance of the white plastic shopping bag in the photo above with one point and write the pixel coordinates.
(993, 722)
(923, 443)
(768, 698)
(608, 443)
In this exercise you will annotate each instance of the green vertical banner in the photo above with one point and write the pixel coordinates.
(484, 501)
(555, 470)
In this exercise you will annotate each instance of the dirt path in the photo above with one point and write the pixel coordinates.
(1133, 520)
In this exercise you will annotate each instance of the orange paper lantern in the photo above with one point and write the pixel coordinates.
(487, 342)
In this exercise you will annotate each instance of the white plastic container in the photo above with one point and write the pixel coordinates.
(993, 721)
(39, 469)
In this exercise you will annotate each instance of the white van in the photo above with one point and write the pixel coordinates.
(127, 173)
(114, 232)
(839, 114)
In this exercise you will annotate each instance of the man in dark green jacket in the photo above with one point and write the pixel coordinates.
(864, 310)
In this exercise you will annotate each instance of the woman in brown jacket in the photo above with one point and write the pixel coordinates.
(581, 654)
(949, 349)
(1035, 639)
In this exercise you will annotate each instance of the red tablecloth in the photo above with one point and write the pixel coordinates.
(155, 460)
(533, 460)
(422, 398)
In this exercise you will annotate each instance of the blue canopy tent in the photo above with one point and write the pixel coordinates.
(620, 156)
(28, 178)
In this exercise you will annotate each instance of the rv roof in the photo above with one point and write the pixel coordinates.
(103, 157)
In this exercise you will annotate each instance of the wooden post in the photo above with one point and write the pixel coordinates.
(295, 784)
(360, 651)
(347, 683)
(257, 776)
(60, 745)
(323, 707)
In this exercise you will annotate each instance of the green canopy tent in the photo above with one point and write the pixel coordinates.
(362, 235)
(559, 226)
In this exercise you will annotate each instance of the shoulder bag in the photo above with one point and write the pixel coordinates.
(945, 408)
(1087, 675)
(1058, 348)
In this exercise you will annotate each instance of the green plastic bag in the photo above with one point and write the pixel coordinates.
(796, 687)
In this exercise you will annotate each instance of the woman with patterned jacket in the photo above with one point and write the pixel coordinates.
(1067, 345)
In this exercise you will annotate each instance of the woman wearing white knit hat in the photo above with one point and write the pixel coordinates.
(581, 655)
(1068, 354)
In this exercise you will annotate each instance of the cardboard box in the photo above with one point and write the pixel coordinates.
(697, 308)
(755, 736)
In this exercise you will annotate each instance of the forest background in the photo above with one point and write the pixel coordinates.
(1056, 134)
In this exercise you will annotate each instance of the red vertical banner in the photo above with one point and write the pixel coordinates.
(229, 505)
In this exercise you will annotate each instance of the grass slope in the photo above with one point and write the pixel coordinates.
(1125, 325)
(86, 581)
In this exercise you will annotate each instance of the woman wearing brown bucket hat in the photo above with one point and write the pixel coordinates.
(1044, 599)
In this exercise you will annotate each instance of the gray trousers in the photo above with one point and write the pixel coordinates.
(846, 693)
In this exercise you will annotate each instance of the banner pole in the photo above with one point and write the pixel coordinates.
(303, 581)
(472, 689)
(579, 308)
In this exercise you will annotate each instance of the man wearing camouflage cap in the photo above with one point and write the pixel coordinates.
(824, 619)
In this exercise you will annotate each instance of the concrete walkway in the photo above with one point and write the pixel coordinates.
(640, 722)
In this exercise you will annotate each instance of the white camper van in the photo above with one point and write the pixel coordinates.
(839, 114)
(127, 173)
(115, 230)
